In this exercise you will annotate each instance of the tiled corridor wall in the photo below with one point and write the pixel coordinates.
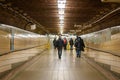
(18, 46)
(12, 39)
(111, 46)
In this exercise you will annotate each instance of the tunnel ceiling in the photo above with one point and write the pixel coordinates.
(77, 12)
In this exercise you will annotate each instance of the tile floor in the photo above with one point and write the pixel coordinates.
(49, 67)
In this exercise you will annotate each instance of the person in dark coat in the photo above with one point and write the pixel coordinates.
(71, 43)
(82, 44)
(75, 43)
(79, 45)
(59, 46)
(54, 43)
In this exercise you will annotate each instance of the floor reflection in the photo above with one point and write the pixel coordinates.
(49, 67)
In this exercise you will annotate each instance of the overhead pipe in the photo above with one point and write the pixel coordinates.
(24, 17)
(107, 15)
(90, 25)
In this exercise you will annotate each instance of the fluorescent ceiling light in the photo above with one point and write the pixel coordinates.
(61, 1)
(61, 31)
(61, 28)
(61, 24)
(61, 17)
(61, 5)
(61, 21)
(61, 11)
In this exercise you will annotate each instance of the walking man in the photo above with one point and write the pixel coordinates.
(54, 43)
(79, 45)
(59, 46)
(71, 44)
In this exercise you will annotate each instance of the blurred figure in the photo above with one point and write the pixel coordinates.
(65, 43)
(76, 38)
(79, 45)
(59, 45)
(83, 45)
(71, 43)
(54, 43)
(75, 42)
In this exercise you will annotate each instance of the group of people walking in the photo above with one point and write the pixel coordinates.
(60, 43)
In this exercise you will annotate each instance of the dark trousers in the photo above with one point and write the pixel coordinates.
(55, 47)
(78, 53)
(65, 46)
(59, 53)
(71, 47)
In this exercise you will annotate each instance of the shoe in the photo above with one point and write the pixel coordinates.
(79, 56)
(59, 57)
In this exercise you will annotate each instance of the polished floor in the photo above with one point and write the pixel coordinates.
(49, 67)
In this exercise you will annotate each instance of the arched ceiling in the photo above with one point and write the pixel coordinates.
(77, 12)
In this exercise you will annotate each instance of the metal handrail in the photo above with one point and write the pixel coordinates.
(96, 49)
